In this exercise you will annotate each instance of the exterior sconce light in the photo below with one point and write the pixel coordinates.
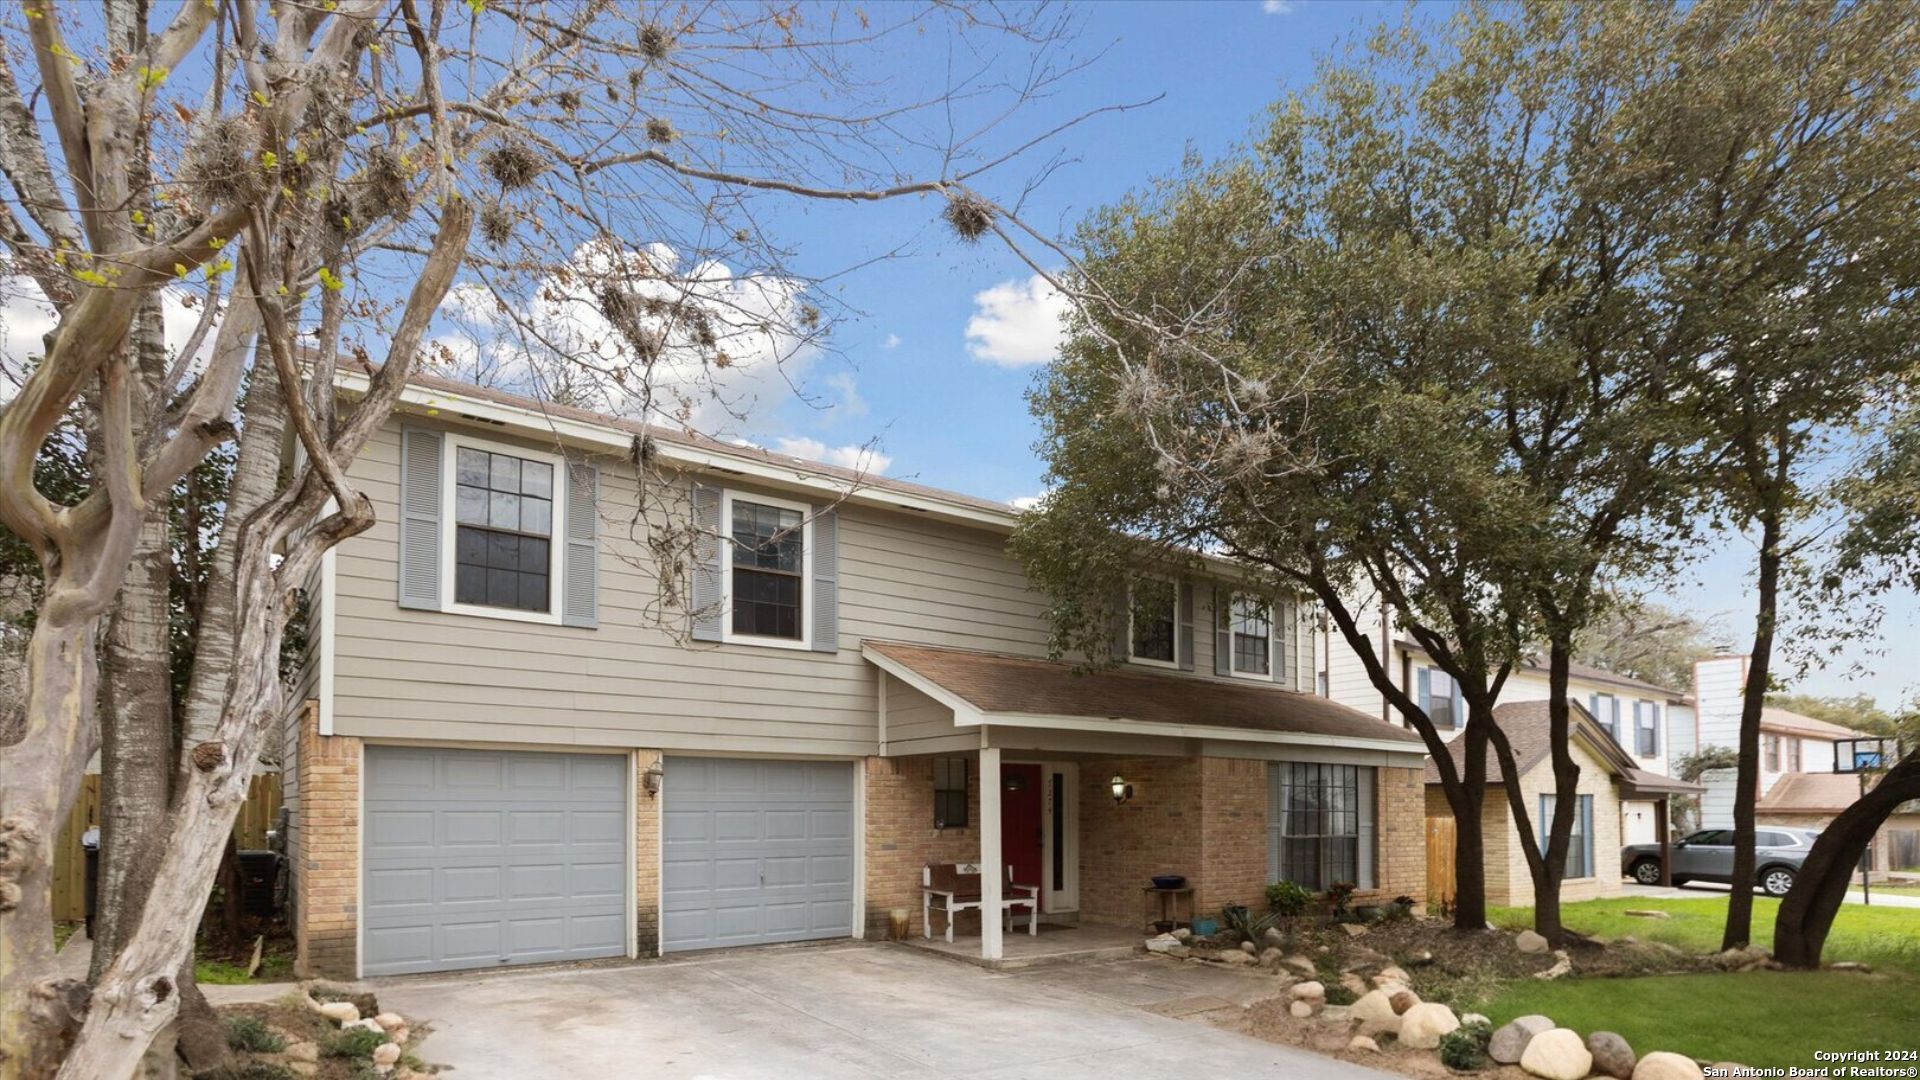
(651, 779)
(1122, 791)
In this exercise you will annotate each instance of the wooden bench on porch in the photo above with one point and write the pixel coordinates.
(955, 887)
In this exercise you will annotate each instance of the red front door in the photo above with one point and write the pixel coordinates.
(1020, 822)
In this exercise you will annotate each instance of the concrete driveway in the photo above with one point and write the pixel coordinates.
(847, 1010)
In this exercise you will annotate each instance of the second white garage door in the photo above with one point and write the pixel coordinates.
(755, 852)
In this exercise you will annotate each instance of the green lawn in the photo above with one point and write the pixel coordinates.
(1760, 1018)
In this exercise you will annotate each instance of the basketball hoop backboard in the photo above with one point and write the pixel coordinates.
(1863, 755)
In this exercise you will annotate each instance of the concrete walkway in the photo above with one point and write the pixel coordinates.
(1701, 890)
(847, 1010)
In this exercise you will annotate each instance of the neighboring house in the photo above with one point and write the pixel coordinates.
(513, 748)
(1610, 779)
(1639, 716)
(1798, 784)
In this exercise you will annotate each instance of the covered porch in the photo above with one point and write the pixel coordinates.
(1086, 787)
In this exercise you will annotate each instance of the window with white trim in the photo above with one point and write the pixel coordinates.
(1153, 620)
(502, 521)
(1320, 824)
(1579, 840)
(766, 569)
(1646, 723)
(1251, 623)
(1440, 698)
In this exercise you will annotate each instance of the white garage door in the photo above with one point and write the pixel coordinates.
(755, 852)
(481, 858)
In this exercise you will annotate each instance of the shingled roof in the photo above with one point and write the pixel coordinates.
(1529, 729)
(999, 683)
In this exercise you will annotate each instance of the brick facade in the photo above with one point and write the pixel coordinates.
(1509, 882)
(900, 838)
(646, 855)
(1400, 861)
(326, 851)
(1159, 831)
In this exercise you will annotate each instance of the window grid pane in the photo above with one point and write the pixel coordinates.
(1252, 625)
(503, 525)
(1319, 824)
(1153, 619)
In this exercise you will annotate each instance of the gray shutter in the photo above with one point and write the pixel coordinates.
(1367, 857)
(1459, 712)
(1655, 706)
(707, 615)
(420, 518)
(1123, 626)
(580, 585)
(1586, 836)
(1222, 632)
(1278, 612)
(1425, 680)
(826, 581)
(1183, 633)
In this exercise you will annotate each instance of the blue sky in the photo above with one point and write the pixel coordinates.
(944, 416)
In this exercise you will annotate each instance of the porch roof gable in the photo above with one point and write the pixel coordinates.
(1018, 691)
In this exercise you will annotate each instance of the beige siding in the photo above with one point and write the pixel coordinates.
(917, 724)
(409, 674)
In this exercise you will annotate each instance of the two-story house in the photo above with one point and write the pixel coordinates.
(1622, 740)
(517, 742)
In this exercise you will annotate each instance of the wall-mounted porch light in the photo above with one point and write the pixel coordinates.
(1122, 791)
(650, 779)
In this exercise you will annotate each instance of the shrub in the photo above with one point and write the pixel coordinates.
(1244, 923)
(1465, 1047)
(1341, 893)
(1399, 911)
(250, 1033)
(1284, 898)
(352, 1043)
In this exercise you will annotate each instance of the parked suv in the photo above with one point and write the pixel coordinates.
(1708, 856)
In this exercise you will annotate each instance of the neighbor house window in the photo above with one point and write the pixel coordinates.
(1794, 758)
(1646, 726)
(1152, 613)
(1579, 841)
(1440, 697)
(767, 582)
(1773, 753)
(1251, 622)
(1320, 824)
(1606, 709)
(949, 792)
(503, 530)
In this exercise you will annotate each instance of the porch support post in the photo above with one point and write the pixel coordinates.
(1665, 829)
(993, 865)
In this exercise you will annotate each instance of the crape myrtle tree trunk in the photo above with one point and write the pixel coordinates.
(331, 162)
(1807, 913)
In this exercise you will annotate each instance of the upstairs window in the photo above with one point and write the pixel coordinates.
(1606, 709)
(1772, 745)
(1251, 622)
(1646, 725)
(1153, 615)
(1795, 760)
(1440, 698)
(503, 531)
(768, 569)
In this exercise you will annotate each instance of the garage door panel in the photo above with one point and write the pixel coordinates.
(498, 857)
(756, 852)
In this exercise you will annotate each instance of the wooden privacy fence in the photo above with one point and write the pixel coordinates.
(70, 859)
(1440, 841)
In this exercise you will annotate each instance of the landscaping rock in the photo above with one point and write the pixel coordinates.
(1562, 965)
(1530, 942)
(1362, 1042)
(1249, 948)
(1851, 965)
(1183, 933)
(1162, 943)
(1511, 1040)
(1611, 1055)
(1354, 984)
(1302, 965)
(1375, 1012)
(1421, 958)
(340, 1012)
(1647, 914)
(1425, 1023)
(1392, 974)
(364, 1025)
(1234, 957)
(1666, 1065)
(1179, 952)
(1336, 1014)
(386, 1054)
(400, 1034)
(1301, 1010)
(1743, 959)
(301, 1051)
(1474, 1018)
(1307, 991)
(1274, 938)
(1354, 929)
(390, 1020)
(1557, 1055)
(1402, 1000)
(1270, 958)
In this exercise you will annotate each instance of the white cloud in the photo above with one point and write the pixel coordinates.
(559, 345)
(858, 458)
(891, 341)
(851, 403)
(1016, 323)
(1277, 7)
